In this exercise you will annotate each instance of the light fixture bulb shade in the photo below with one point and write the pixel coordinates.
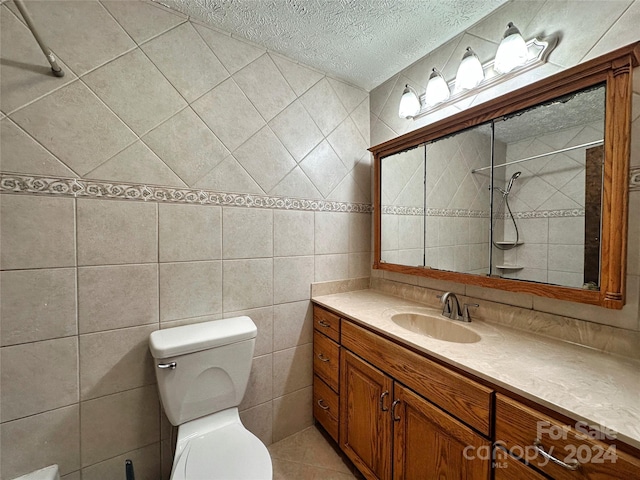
(512, 52)
(437, 89)
(470, 72)
(409, 103)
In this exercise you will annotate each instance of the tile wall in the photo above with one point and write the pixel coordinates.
(587, 30)
(174, 175)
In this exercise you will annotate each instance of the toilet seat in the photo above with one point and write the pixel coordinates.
(228, 452)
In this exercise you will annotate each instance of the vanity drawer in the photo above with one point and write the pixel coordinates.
(325, 407)
(326, 359)
(518, 427)
(326, 322)
(463, 398)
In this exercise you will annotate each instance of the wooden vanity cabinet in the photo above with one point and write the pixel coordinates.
(385, 427)
(326, 364)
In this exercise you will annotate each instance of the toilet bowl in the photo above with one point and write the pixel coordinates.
(202, 372)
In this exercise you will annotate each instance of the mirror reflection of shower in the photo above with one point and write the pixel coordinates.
(504, 203)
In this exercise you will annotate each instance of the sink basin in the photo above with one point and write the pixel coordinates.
(435, 327)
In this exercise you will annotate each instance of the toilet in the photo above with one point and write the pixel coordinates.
(202, 372)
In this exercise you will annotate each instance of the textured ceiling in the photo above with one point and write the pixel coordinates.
(362, 41)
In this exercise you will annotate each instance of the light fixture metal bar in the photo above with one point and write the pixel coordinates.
(539, 51)
(584, 145)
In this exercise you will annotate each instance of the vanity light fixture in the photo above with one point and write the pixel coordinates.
(409, 103)
(512, 52)
(470, 72)
(473, 77)
(437, 89)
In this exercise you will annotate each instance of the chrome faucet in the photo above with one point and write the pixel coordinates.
(451, 307)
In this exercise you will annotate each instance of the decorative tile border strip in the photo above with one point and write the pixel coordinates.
(634, 179)
(433, 212)
(81, 188)
(446, 212)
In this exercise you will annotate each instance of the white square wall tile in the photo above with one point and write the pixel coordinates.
(233, 53)
(296, 130)
(229, 114)
(331, 267)
(324, 168)
(331, 232)
(116, 232)
(265, 159)
(37, 304)
(247, 233)
(136, 91)
(247, 284)
(292, 278)
(187, 146)
(189, 232)
(38, 376)
(36, 232)
(79, 115)
(292, 369)
(260, 386)
(292, 324)
(298, 76)
(118, 296)
(293, 233)
(190, 289)
(324, 106)
(263, 76)
(41, 440)
(143, 20)
(348, 143)
(192, 74)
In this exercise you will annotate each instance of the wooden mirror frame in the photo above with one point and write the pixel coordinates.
(615, 70)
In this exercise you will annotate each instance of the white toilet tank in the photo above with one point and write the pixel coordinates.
(203, 368)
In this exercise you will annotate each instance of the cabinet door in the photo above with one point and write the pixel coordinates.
(428, 443)
(365, 423)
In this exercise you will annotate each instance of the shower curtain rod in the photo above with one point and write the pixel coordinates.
(588, 144)
(55, 68)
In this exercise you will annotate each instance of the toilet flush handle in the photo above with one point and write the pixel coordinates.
(170, 366)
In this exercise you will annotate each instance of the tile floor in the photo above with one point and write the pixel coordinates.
(310, 455)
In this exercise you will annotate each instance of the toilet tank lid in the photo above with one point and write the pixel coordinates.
(175, 341)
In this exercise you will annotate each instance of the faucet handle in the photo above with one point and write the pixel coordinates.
(465, 311)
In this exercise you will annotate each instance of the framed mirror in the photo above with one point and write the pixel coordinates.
(526, 193)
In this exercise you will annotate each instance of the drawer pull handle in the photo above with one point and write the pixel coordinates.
(569, 466)
(323, 324)
(382, 407)
(322, 357)
(393, 411)
(322, 405)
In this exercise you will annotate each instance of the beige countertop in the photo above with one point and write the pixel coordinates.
(579, 382)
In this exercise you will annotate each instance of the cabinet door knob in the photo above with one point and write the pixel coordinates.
(573, 465)
(382, 407)
(323, 324)
(322, 357)
(322, 405)
(393, 410)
